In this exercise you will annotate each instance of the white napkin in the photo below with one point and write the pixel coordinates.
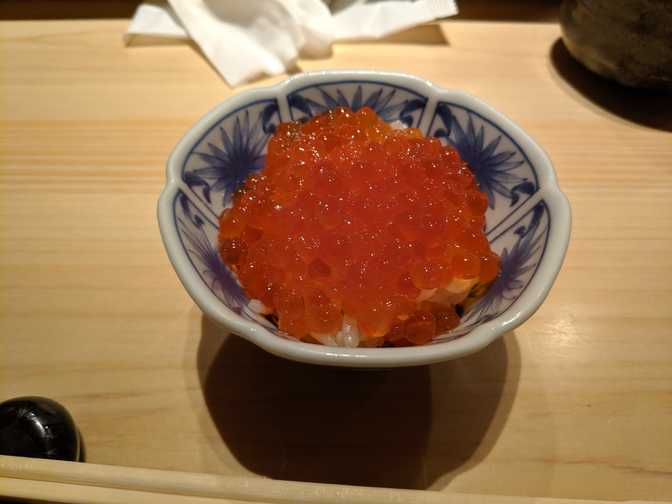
(244, 39)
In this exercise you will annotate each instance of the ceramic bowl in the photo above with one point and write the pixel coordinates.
(527, 223)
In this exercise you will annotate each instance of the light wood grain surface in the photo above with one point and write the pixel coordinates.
(577, 403)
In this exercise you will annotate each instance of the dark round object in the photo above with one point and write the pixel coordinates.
(629, 41)
(38, 427)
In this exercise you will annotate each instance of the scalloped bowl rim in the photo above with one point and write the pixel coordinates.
(523, 308)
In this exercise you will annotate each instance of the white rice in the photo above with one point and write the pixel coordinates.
(258, 307)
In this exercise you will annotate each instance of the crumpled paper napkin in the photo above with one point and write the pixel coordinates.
(244, 39)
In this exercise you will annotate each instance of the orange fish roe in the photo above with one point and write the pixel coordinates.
(352, 217)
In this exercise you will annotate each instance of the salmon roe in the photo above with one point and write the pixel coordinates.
(353, 217)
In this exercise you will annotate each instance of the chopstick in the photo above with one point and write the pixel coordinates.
(78, 483)
(67, 480)
(78, 494)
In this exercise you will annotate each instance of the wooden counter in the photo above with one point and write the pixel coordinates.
(576, 403)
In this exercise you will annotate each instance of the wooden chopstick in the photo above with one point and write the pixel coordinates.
(90, 477)
(77, 494)
(78, 483)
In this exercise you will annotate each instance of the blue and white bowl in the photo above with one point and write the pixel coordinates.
(527, 223)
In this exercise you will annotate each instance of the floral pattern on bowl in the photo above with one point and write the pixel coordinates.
(198, 236)
(500, 166)
(391, 103)
(521, 245)
(527, 221)
(229, 152)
